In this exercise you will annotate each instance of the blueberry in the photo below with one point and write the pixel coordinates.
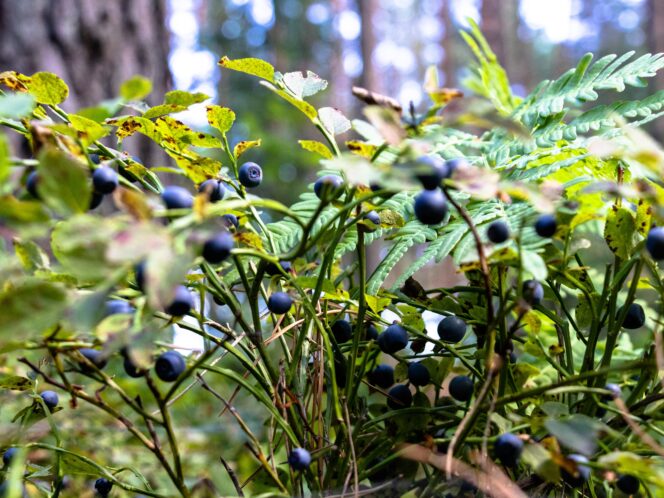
(533, 292)
(508, 449)
(118, 307)
(8, 455)
(250, 175)
(131, 369)
(104, 180)
(451, 329)
(635, 317)
(581, 474)
(95, 200)
(431, 171)
(139, 275)
(31, 184)
(182, 302)
(654, 242)
(328, 186)
(218, 300)
(455, 164)
(272, 269)
(628, 484)
(382, 376)
(342, 331)
(103, 486)
(230, 220)
(546, 225)
(399, 397)
(461, 388)
(279, 303)
(214, 190)
(418, 344)
(374, 218)
(418, 375)
(299, 459)
(169, 366)
(498, 232)
(175, 197)
(94, 356)
(394, 338)
(94, 158)
(430, 207)
(50, 398)
(218, 248)
(616, 392)
(371, 332)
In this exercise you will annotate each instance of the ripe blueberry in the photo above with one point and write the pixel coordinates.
(8, 455)
(451, 329)
(273, 269)
(431, 171)
(654, 242)
(175, 197)
(628, 484)
(104, 180)
(214, 190)
(546, 225)
(635, 317)
(118, 307)
(230, 220)
(374, 218)
(580, 475)
(299, 459)
(103, 487)
(430, 207)
(418, 375)
(95, 200)
(94, 158)
(218, 248)
(31, 184)
(508, 449)
(394, 338)
(371, 332)
(250, 175)
(50, 398)
(461, 388)
(498, 232)
(139, 275)
(615, 390)
(455, 164)
(533, 292)
(328, 186)
(182, 302)
(94, 356)
(342, 330)
(399, 397)
(130, 367)
(169, 366)
(279, 303)
(382, 376)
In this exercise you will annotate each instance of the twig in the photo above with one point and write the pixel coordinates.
(233, 476)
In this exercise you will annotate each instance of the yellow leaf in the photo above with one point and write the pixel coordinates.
(241, 147)
(362, 149)
(305, 107)
(221, 118)
(255, 67)
(317, 147)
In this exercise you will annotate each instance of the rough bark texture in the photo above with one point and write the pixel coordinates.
(94, 45)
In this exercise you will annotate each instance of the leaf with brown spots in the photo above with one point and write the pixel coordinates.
(255, 67)
(243, 146)
(362, 149)
(250, 239)
(619, 231)
(198, 168)
(221, 118)
(317, 147)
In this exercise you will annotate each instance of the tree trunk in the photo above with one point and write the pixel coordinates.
(499, 24)
(93, 45)
(655, 16)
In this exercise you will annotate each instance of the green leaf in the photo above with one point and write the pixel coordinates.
(32, 256)
(619, 231)
(180, 97)
(255, 67)
(539, 459)
(16, 383)
(16, 105)
(199, 168)
(579, 432)
(4, 163)
(64, 183)
(304, 86)
(317, 147)
(88, 130)
(135, 88)
(377, 304)
(163, 110)
(534, 265)
(29, 307)
(22, 211)
(221, 118)
(47, 88)
(304, 107)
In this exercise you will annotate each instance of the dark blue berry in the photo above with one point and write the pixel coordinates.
(498, 232)
(430, 171)
(31, 184)
(399, 397)
(456, 164)
(139, 275)
(169, 366)
(372, 332)
(461, 388)
(94, 158)
(50, 398)
(118, 307)
(94, 356)
(533, 292)
(279, 303)
(250, 175)
(382, 376)
(635, 317)
(104, 180)
(430, 207)
(103, 486)
(418, 375)
(214, 190)
(175, 197)
(374, 218)
(131, 369)
(95, 200)
(628, 484)
(546, 225)
(580, 476)
(328, 187)
(8, 455)
(218, 248)
(508, 449)
(299, 459)
(342, 331)
(655, 243)
(182, 302)
(394, 338)
(273, 269)
(451, 329)
(230, 220)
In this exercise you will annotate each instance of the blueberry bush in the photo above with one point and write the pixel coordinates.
(540, 374)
